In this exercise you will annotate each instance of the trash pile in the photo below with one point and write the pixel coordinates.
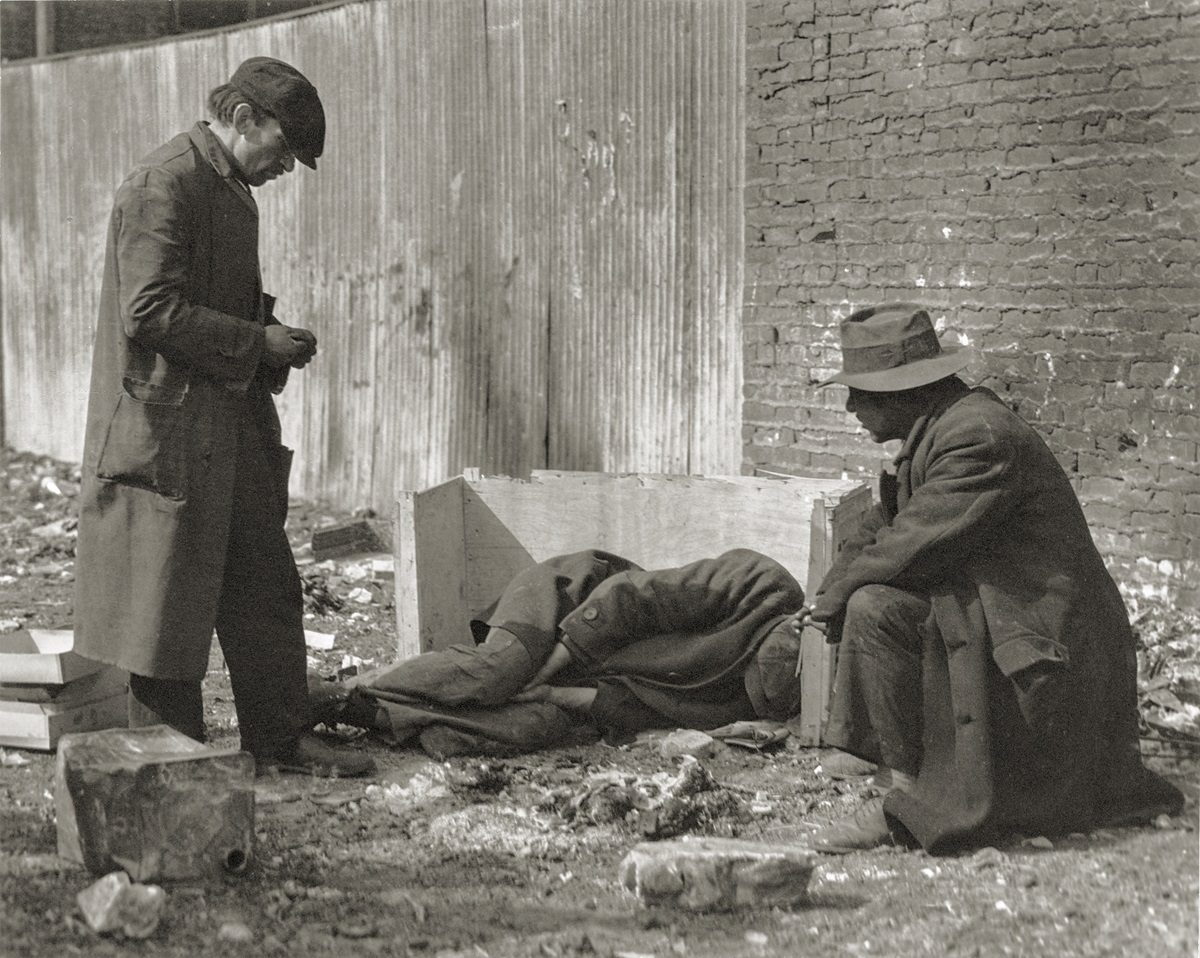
(1168, 640)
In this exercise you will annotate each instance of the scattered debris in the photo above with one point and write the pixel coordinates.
(12, 759)
(689, 742)
(235, 932)
(114, 903)
(758, 735)
(318, 640)
(356, 537)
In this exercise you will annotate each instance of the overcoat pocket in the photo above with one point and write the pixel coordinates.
(146, 443)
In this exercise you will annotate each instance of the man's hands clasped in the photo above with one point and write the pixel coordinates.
(289, 346)
(803, 619)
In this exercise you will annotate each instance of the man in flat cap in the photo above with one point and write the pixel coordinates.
(184, 498)
(986, 657)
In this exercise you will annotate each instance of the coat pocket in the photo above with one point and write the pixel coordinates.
(1037, 668)
(146, 443)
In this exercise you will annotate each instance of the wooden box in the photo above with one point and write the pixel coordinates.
(457, 544)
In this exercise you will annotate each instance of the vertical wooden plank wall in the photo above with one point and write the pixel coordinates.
(522, 248)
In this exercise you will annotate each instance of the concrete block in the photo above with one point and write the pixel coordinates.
(718, 874)
(153, 802)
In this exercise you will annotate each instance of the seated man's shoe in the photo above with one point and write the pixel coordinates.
(866, 828)
(311, 755)
(327, 699)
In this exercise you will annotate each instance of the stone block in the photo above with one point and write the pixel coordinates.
(718, 874)
(153, 802)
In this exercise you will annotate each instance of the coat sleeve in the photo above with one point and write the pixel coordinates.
(154, 250)
(732, 593)
(967, 491)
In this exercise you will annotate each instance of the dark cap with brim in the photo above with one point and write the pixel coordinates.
(894, 347)
(283, 91)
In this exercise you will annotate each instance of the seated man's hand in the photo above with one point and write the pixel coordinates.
(804, 619)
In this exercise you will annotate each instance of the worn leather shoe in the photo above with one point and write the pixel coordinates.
(866, 828)
(313, 756)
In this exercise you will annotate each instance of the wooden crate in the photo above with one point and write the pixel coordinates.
(457, 544)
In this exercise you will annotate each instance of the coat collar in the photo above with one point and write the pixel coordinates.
(954, 391)
(218, 157)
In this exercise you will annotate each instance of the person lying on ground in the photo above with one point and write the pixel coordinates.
(590, 644)
(987, 661)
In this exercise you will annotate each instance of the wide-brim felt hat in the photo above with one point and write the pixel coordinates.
(895, 347)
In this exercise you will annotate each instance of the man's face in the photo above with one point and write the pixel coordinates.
(881, 414)
(263, 152)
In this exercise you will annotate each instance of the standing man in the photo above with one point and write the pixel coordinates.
(184, 498)
(986, 656)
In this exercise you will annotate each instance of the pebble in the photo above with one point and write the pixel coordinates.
(235, 932)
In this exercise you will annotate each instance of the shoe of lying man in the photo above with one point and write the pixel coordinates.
(314, 756)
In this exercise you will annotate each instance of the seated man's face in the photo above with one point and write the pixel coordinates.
(881, 414)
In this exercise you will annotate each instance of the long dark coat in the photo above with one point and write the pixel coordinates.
(177, 357)
(1029, 670)
(664, 648)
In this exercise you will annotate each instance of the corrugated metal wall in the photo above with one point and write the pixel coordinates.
(523, 247)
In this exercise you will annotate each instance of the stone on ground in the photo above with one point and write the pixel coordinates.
(718, 874)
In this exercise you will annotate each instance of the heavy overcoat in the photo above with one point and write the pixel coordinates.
(1029, 670)
(692, 646)
(179, 339)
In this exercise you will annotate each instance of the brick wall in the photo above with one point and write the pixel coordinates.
(1030, 172)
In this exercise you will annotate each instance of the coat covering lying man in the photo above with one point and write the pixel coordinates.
(986, 656)
(587, 644)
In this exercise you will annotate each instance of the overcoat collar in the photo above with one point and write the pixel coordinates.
(954, 391)
(218, 156)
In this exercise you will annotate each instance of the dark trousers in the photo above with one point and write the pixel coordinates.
(260, 617)
(877, 707)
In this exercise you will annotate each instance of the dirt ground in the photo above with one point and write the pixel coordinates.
(521, 857)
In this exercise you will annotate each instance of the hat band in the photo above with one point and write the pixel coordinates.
(870, 359)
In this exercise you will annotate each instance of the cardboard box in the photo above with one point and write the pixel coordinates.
(39, 726)
(42, 657)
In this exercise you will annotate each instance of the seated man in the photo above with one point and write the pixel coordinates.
(698, 646)
(986, 656)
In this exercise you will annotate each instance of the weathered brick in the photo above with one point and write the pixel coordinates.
(993, 180)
